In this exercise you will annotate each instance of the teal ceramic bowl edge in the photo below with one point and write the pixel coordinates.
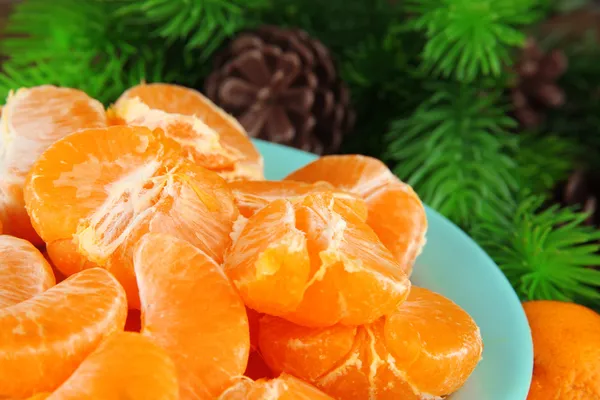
(455, 266)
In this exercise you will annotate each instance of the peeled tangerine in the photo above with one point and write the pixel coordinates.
(251, 196)
(124, 366)
(24, 272)
(289, 259)
(285, 387)
(92, 195)
(44, 338)
(396, 213)
(32, 120)
(425, 349)
(190, 309)
(211, 137)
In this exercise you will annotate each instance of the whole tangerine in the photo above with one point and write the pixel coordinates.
(566, 351)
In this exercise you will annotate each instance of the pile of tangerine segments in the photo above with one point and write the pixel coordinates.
(144, 256)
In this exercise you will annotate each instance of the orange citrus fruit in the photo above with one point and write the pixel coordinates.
(566, 351)
(291, 259)
(124, 366)
(396, 213)
(180, 100)
(190, 308)
(44, 339)
(24, 272)
(93, 194)
(285, 387)
(251, 196)
(427, 348)
(32, 120)
(201, 145)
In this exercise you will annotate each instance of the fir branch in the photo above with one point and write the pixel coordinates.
(545, 251)
(203, 24)
(385, 83)
(83, 45)
(39, 31)
(383, 64)
(341, 25)
(544, 159)
(452, 151)
(103, 80)
(546, 254)
(469, 38)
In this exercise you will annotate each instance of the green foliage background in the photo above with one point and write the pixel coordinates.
(429, 80)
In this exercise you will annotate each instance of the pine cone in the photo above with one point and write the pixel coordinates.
(536, 87)
(582, 189)
(282, 86)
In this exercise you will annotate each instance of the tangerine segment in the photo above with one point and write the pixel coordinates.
(427, 348)
(24, 272)
(396, 213)
(269, 261)
(566, 350)
(291, 259)
(251, 196)
(32, 120)
(190, 308)
(44, 339)
(124, 366)
(181, 100)
(92, 195)
(201, 145)
(285, 387)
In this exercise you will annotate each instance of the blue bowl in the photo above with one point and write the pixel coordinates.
(453, 265)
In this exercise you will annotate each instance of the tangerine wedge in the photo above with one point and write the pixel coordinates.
(181, 100)
(44, 339)
(201, 145)
(285, 387)
(291, 259)
(32, 120)
(396, 213)
(251, 196)
(24, 272)
(124, 366)
(426, 349)
(93, 194)
(190, 308)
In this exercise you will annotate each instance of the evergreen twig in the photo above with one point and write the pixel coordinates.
(468, 39)
(452, 150)
(82, 45)
(202, 24)
(546, 254)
